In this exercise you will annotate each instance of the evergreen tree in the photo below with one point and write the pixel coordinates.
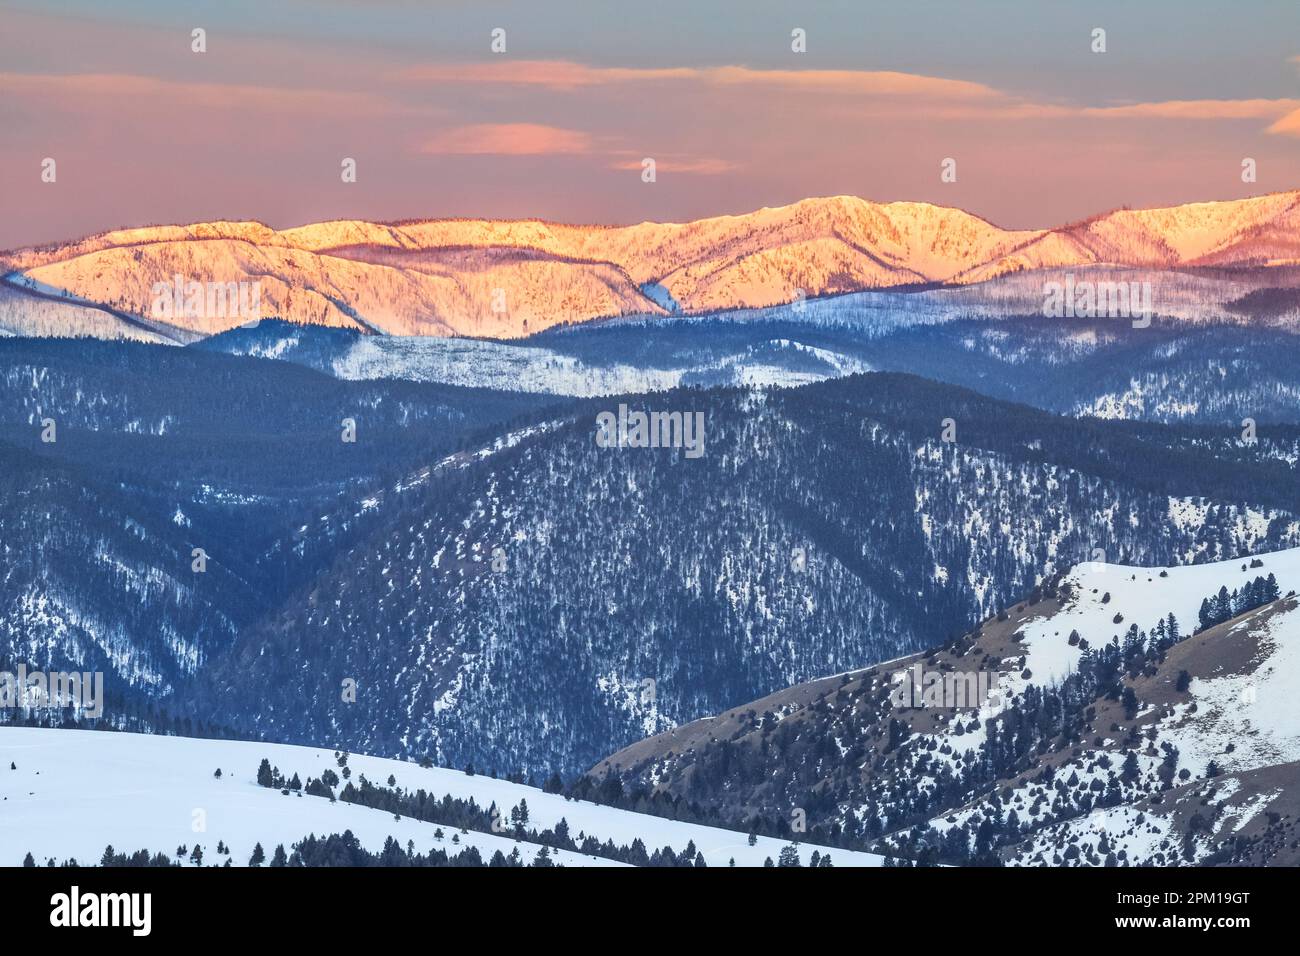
(1130, 702)
(1130, 772)
(1223, 606)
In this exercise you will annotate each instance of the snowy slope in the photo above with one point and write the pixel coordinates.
(1144, 596)
(1141, 596)
(74, 791)
(1244, 719)
(27, 309)
(1223, 702)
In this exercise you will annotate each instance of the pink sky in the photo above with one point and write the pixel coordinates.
(143, 130)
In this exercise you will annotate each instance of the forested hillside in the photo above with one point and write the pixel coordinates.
(475, 580)
(552, 600)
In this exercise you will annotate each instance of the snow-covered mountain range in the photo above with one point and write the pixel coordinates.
(512, 278)
(1171, 371)
(396, 486)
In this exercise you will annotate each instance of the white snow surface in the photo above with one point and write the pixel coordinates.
(1245, 721)
(1141, 596)
(75, 791)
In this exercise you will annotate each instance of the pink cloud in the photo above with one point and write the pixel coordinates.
(509, 139)
(536, 139)
(1288, 125)
(1198, 109)
(861, 82)
(256, 129)
(874, 93)
(555, 74)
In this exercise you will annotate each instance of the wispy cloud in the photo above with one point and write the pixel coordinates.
(509, 139)
(145, 130)
(554, 74)
(538, 139)
(568, 75)
(1198, 109)
(864, 93)
(121, 90)
(1288, 125)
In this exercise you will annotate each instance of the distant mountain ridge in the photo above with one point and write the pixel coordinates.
(1172, 371)
(491, 278)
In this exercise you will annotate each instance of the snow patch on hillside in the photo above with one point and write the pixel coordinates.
(1139, 596)
(1249, 720)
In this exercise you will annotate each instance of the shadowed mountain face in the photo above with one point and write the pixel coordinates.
(547, 600)
(122, 463)
(508, 279)
(476, 579)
